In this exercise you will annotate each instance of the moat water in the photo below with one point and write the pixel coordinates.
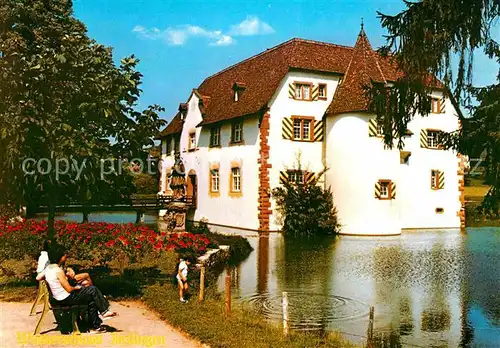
(429, 288)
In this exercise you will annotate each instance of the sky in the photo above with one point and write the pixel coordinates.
(180, 43)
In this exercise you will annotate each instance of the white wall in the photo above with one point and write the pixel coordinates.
(418, 200)
(356, 162)
(237, 211)
(283, 153)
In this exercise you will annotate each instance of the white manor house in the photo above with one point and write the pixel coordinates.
(242, 130)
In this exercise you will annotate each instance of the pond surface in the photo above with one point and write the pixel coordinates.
(429, 288)
(110, 217)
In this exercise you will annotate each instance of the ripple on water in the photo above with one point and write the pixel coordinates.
(308, 311)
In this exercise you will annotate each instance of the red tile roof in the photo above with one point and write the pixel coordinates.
(174, 127)
(262, 74)
(364, 68)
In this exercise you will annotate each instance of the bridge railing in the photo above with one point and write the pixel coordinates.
(151, 203)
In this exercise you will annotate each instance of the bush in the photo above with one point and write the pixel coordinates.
(239, 247)
(306, 209)
(8, 211)
(146, 183)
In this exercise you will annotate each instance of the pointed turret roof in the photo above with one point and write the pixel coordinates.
(363, 70)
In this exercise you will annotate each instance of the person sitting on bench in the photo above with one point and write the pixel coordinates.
(65, 294)
(43, 259)
(82, 279)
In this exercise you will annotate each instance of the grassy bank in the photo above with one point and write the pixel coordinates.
(474, 217)
(207, 322)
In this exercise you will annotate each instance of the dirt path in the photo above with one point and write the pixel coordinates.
(136, 326)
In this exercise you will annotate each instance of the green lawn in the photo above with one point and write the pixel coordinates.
(243, 329)
(475, 193)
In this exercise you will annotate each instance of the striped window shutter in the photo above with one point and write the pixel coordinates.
(393, 190)
(291, 90)
(283, 177)
(318, 130)
(309, 177)
(423, 138)
(372, 127)
(442, 105)
(315, 92)
(440, 180)
(377, 190)
(287, 128)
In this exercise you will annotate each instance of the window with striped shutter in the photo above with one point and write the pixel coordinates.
(291, 90)
(283, 177)
(318, 130)
(372, 127)
(315, 92)
(442, 105)
(291, 176)
(441, 181)
(287, 129)
(437, 179)
(309, 177)
(385, 189)
(423, 138)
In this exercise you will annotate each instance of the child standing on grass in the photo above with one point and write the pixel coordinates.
(182, 272)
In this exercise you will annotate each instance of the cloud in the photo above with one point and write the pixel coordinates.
(251, 26)
(179, 35)
(225, 40)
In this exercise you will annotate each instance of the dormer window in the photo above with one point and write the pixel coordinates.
(183, 108)
(322, 91)
(435, 106)
(303, 91)
(192, 141)
(238, 88)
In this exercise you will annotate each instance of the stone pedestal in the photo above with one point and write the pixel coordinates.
(176, 216)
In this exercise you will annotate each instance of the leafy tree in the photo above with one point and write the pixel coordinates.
(306, 209)
(64, 98)
(146, 183)
(438, 38)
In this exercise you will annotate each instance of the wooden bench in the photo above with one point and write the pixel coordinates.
(60, 311)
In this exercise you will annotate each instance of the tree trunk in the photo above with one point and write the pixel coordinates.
(30, 211)
(85, 218)
(52, 216)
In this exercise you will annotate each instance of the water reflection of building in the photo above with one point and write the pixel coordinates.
(305, 271)
(424, 285)
(263, 264)
(416, 287)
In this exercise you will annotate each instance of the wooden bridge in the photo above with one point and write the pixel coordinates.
(137, 205)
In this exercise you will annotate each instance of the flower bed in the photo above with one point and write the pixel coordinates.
(98, 241)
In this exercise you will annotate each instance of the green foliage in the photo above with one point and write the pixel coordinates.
(64, 98)
(306, 209)
(145, 183)
(481, 133)
(239, 247)
(7, 211)
(433, 39)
